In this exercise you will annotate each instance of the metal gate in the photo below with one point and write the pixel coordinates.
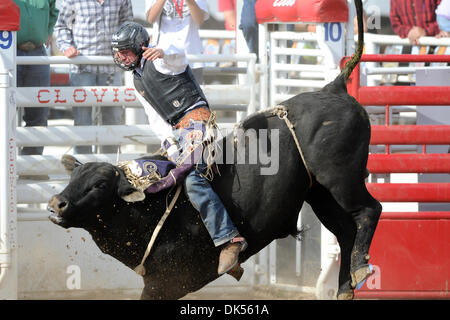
(410, 251)
(57, 263)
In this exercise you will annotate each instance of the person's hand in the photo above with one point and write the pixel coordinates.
(311, 28)
(152, 53)
(71, 52)
(415, 34)
(197, 14)
(443, 34)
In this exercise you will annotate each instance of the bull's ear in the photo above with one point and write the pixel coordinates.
(70, 163)
(126, 190)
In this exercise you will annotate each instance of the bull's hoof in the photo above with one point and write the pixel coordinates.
(360, 275)
(349, 295)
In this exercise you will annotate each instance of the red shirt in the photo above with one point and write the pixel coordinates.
(406, 14)
(226, 5)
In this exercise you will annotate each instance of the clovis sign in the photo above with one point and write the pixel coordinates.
(73, 96)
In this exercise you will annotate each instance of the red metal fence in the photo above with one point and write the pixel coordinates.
(410, 250)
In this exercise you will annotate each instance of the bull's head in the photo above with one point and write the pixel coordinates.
(93, 186)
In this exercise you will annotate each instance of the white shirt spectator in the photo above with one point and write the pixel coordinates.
(444, 9)
(171, 29)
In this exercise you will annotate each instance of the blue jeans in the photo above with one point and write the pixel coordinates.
(249, 26)
(208, 204)
(83, 115)
(33, 76)
(198, 189)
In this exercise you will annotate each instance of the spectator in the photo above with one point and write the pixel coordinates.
(249, 25)
(37, 19)
(443, 18)
(414, 19)
(228, 7)
(85, 28)
(178, 21)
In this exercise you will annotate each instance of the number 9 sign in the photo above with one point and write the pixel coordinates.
(6, 39)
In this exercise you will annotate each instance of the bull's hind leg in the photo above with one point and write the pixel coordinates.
(335, 219)
(365, 212)
(366, 220)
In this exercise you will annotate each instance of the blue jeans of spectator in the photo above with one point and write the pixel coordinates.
(443, 23)
(33, 76)
(208, 204)
(109, 115)
(249, 26)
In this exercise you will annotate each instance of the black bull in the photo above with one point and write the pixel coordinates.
(333, 130)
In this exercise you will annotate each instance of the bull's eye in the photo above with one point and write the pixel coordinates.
(100, 185)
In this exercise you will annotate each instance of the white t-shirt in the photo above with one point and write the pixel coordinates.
(444, 9)
(171, 30)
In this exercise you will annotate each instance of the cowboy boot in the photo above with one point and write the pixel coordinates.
(230, 253)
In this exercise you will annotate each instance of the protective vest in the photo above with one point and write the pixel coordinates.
(169, 95)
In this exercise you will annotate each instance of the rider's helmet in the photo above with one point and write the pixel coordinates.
(127, 43)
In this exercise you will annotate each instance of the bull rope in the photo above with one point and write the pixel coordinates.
(140, 269)
(282, 113)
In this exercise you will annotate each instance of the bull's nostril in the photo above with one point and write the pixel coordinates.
(62, 204)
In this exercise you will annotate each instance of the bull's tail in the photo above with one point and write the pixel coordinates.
(353, 62)
(339, 85)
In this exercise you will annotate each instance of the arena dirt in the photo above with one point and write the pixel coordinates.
(256, 293)
(242, 293)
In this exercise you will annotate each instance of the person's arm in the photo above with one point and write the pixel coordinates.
(155, 11)
(230, 19)
(415, 34)
(171, 60)
(432, 29)
(63, 33)
(229, 13)
(161, 128)
(197, 14)
(53, 16)
(153, 53)
(158, 125)
(400, 29)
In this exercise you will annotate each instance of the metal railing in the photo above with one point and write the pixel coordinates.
(233, 97)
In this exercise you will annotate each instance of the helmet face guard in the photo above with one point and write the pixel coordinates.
(125, 59)
(127, 43)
